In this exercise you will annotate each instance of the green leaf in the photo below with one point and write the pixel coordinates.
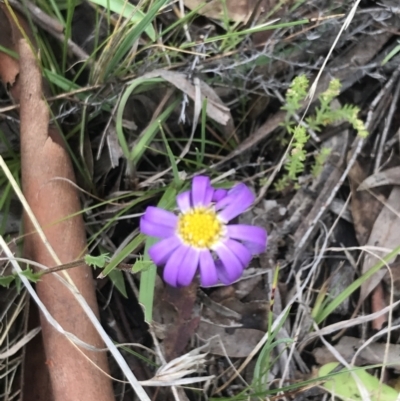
(5, 281)
(344, 386)
(31, 275)
(97, 261)
(141, 265)
(118, 280)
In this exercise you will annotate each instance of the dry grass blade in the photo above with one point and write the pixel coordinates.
(20, 344)
(345, 324)
(173, 372)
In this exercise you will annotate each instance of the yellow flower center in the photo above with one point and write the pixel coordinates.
(200, 228)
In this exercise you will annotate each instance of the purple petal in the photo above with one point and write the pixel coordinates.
(209, 196)
(240, 251)
(219, 194)
(183, 201)
(236, 202)
(189, 267)
(174, 264)
(200, 185)
(254, 238)
(160, 252)
(222, 273)
(230, 196)
(155, 229)
(158, 215)
(208, 271)
(232, 266)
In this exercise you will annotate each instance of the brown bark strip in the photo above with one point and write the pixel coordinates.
(43, 159)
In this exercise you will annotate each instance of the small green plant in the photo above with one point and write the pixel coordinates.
(320, 160)
(324, 115)
(6, 281)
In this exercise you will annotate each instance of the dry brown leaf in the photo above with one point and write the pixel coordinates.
(231, 312)
(216, 110)
(378, 303)
(373, 354)
(365, 207)
(173, 317)
(185, 325)
(9, 67)
(391, 176)
(254, 315)
(34, 356)
(237, 325)
(393, 279)
(9, 35)
(75, 373)
(385, 233)
(341, 276)
(237, 342)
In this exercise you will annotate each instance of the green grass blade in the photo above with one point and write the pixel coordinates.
(150, 133)
(147, 283)
(171, 157)
(129, 90)
(132, 36)
(263, 361)
(5, 203)
(124, 253)
(148, 277)
(127, 10)
(354, 286)
(63, 83)
(71, 4)
(203, 131)
(9, 52)
(391, 54)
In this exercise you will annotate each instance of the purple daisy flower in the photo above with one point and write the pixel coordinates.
(200, 238)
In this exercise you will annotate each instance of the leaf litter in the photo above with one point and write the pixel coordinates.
(210, 76)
